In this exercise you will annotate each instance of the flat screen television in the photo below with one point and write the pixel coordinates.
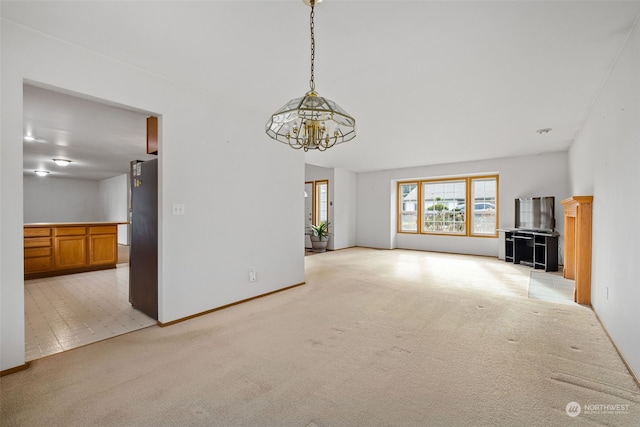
(535, 213)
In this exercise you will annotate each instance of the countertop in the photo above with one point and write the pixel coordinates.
(72, 224)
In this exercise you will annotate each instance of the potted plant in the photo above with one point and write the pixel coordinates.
(320, 236)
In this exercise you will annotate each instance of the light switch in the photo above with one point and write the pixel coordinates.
(178, 209)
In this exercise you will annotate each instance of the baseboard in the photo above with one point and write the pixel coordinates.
(54, 273)
(629, 368)
(15, 369)
(173, 322)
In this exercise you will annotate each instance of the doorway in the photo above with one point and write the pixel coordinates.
(99, 138)
(316, 206)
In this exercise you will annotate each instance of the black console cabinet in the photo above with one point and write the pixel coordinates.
(535, 249)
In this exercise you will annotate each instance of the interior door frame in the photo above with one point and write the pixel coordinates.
(159, 179)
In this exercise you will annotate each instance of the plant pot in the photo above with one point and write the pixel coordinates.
(319, 245)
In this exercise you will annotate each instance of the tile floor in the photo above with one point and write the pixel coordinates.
(551, 287)
(70, 311)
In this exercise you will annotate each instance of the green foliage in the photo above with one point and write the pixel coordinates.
(444, 221)
(438, 207)
(321, 230)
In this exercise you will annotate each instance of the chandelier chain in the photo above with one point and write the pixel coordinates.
(312, 83)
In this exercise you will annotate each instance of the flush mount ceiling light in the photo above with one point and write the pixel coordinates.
(41, 173)
(32, 138)
(62, 162)
(311, 122)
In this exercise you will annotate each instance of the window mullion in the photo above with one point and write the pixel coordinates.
(469, 205)
(419, 217)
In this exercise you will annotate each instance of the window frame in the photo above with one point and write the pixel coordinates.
(422, 201)
(472, 217)
(469, 205)
(317, 205)
(399, 204)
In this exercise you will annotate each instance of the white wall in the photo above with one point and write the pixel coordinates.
(539, 175)
(344, 208)
(604, 162)
(114, 203)
(49, 199)
(204, 255)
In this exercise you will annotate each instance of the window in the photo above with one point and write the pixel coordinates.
(321, 202)
(442, 213)
(465, 206)
(483, 194)
(408, 202)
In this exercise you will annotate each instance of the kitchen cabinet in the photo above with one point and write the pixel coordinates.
(69, 247)
(38, 250)
(103, 245)
(55, 249)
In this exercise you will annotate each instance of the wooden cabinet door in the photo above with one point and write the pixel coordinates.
(103, 249)
(36, 232)
(70, 252)
(37, 259)
(38, 255)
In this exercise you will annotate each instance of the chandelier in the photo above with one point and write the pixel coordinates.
(311, 122)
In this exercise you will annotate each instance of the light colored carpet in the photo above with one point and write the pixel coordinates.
(375, 338)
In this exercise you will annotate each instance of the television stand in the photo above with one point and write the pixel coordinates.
(537, 249)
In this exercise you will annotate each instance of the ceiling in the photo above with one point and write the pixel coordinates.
(429, 82)
(99, 139)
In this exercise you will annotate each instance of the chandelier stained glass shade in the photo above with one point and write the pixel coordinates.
(311, 122)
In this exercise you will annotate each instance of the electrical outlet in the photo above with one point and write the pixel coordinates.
(252, 274)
